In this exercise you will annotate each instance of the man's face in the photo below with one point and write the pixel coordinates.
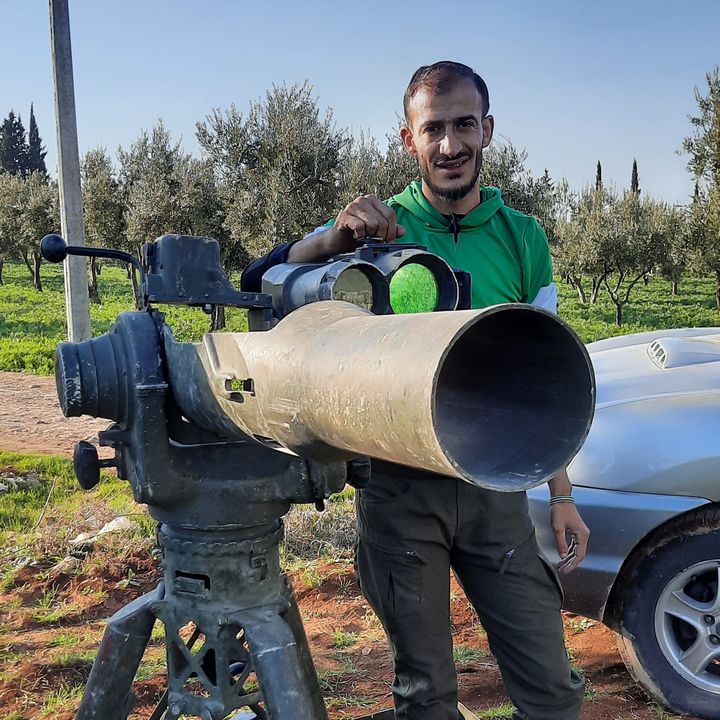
(446, 132)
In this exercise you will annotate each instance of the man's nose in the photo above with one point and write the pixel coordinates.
(450, 145)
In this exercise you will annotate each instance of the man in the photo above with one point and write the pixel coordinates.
(413, 527)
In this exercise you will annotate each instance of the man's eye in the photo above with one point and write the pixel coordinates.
(431, 129)
(467, 124)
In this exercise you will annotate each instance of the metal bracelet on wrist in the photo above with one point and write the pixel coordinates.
(562, 499)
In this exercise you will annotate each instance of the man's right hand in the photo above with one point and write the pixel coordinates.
(364, 217)
(367, 217)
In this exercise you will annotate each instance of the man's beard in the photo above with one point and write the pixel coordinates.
(452, 194)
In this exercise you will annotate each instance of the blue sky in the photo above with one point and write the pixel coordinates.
(571, 82)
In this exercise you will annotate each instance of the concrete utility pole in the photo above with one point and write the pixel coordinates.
(71, 210)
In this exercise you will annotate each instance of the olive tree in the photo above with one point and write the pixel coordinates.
(703, 149)
(365, 169)
(580, 237)
(11, 207)
(277, 168)
(152, 171)
(634, 246)
(40, 216)
(103, 210)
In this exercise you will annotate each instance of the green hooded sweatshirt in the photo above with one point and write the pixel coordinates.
(504, 250)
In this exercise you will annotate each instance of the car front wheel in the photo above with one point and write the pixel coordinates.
(669, 631)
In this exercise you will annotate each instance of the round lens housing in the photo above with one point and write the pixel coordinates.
(354, 286)
(413, 289)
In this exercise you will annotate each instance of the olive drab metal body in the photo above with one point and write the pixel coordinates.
(219, 438)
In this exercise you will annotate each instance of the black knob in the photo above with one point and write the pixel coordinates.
(86, 465)
(53, 248)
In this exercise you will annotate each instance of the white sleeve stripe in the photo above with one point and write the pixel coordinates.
(317, 230)
(547, 298)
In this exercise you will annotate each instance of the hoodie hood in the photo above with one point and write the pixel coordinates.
(415, 202)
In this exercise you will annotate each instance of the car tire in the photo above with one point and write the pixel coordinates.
(669, 615)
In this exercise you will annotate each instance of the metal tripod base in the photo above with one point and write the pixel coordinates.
(233, 633)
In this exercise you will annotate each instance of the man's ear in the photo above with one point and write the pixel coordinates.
(407, 140)
(488, 125)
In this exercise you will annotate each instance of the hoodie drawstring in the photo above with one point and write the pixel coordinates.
(454, 227)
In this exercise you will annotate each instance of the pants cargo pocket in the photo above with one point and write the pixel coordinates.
(553, 574)
(527, 561)
(391, 580)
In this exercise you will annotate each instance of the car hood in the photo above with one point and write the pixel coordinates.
(645, 365)
(657, 415)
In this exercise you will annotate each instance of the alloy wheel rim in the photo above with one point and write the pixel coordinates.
(687, 624)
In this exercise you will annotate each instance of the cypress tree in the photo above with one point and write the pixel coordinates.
(35, 150)
(13, 147)
(634, 182)
(598, 177)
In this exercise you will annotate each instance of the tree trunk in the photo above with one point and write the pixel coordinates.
(28, 264)
(717, 290)
(674, 285)
(135, 286)
(618, 313)
(217, 319)
(92, 282)
(2, 262)
(596, 284)
(577, 284)
(37, 261)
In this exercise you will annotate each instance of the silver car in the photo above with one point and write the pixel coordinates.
(647, 483)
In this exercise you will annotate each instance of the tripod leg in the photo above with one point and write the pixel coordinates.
(277, 661)
(293, 619)
(108, 692)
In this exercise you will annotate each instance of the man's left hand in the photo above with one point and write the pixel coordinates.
(568, 526)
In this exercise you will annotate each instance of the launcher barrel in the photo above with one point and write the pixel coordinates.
(502, 397)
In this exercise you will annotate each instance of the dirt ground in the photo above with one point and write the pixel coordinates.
(31, 420)
(346, 641)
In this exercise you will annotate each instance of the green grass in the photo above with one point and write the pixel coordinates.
(335, 683)
(47, 609)
(151, 667)
(64, 640)
(32, 323)
(580, 624)
(591, 691)
(501, 711)
(9, 654)
(342, 639)
(20, 509)
(349, 701)
(463, 654)
(310, 534)
(83, 658)
(651, 307)
(63, 698)
(158, 633)
(312, 576)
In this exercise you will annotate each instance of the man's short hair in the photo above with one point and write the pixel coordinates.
(441, 77)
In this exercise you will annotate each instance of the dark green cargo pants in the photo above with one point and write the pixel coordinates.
(413, 528)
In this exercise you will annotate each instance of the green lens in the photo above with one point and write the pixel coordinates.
(354, 286)
(413, 289)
